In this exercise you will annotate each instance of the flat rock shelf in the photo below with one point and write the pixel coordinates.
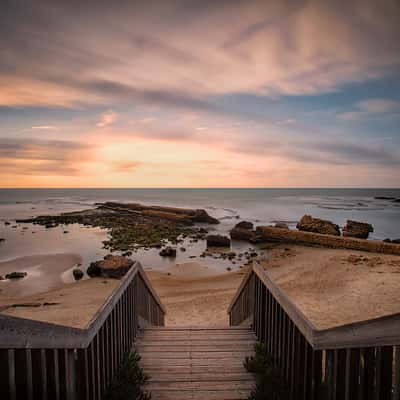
(197, 363)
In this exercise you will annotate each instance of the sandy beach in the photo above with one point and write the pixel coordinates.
(331, 286)
(194, 295)
(335, 287)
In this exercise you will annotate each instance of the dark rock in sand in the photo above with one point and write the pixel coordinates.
(396, 241)
(94, 270)
(281, 225)
(16, 275)
(357, 229)
(316, 225)
(7, 223)
(168, 252)
(241, 234)
(396, 201)
(78, 274)
(218, 241)
(2, 240)
(183, 249)
(387, 240)
(244, 225)
(111, 267)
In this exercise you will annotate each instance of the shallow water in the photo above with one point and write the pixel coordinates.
(261, 206)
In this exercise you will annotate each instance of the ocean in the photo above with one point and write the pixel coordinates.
(261, 206)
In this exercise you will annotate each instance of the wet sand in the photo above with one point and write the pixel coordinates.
(45, 272)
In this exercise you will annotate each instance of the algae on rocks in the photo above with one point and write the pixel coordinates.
(133, 225)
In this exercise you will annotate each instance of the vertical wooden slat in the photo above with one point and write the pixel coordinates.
(386, 373)
(11, 374)
(56, 374)
(369, 374)
(43, 367)
(396, 377)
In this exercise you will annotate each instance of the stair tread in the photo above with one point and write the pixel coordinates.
(196, 362)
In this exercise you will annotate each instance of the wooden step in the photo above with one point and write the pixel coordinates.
(197, 363)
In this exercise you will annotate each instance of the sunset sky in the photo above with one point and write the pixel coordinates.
(188, 93)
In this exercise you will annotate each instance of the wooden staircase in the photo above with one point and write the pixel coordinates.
(196, 363)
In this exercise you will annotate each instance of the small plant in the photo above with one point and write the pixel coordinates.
(128, 381)
(270, 384)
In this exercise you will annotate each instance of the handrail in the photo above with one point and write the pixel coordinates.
(17, 332)
(375, 332)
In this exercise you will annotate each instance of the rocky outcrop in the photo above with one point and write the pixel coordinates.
(316, 225)
(168, 252)
(218, 241)
(111, 267)
(16, 275)
(78, 274)
(272, 234)
(244, 225)
(182, 215)
(357, 229)
(281, 225)
(242, 231)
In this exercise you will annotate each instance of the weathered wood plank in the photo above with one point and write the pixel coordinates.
(184, 376)
(150, 355)
(201, 395)
(189, 386)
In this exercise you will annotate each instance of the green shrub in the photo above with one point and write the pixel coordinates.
(128, 381)
(270, 384)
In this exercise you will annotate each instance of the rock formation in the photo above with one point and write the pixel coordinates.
(110, 267)
(218, 241)
(316, 225)
(168, 252)
(357, 229)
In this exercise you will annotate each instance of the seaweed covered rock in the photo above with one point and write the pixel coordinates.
(218, 241)
(168, 252)
(317, 225)
(357, 229)
(111, 267)
(16, 275)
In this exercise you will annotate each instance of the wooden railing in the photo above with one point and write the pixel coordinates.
(46, 361)
(359, 361)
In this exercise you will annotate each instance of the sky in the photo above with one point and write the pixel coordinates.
(186, 93)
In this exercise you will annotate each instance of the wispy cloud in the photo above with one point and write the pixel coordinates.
(289, 52)
(372, 108)
(44, 127)
(106, 119)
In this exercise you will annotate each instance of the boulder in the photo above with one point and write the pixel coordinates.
(111, 267)
(168, 252)
(241, 234)
(16, 275)
(218, 241)
(357, 229)
(244, 225)
(316, 225)
(78, 274)
(396, 241)
(2, 240)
